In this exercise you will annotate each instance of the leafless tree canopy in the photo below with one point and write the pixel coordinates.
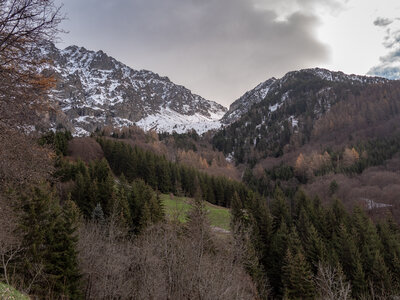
(165, 262)
(24, 24)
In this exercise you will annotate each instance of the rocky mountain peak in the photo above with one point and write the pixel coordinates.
(95, 90)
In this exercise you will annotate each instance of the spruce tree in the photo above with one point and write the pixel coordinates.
(350, 259)
(297, 277)
(120, 208)
(63, 256)
(279, 210)
(391, 244)
(237, 215)
(275, 259)
(49, 243)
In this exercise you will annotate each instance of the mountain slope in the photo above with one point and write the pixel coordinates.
(94, 90)
(256, 95)
(244, 103)
(293, 111)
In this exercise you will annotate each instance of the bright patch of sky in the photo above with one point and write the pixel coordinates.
(356, 35)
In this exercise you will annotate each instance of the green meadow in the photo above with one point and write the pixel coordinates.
(177, 207)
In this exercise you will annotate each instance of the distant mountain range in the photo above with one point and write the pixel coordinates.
(94, 90)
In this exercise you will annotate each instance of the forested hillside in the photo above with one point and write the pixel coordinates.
(332, 135)
(303, 109)
(307, 250)
(306, 179)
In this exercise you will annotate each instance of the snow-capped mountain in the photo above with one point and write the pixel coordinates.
(242, 105)
(94, 90)
(281, 114)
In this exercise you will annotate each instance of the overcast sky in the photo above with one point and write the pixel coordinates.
(221, 48)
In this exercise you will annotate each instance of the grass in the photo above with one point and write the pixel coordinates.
(179, 206)
(9, 293)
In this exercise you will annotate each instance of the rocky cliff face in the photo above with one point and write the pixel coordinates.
(94, 90)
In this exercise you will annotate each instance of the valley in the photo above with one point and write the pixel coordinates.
(117, 183)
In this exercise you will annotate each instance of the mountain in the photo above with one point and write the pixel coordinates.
(280, 115)
(94, 90)
(243, 104)
(256, 95)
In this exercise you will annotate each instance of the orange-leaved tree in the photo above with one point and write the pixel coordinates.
(24, 25)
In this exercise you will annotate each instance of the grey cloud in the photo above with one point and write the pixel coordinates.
(387, 71)
(392, 39)
(391, 57)
(218, 48)
(389, 64)
(382, 22)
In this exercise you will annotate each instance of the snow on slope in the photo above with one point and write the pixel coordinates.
(169, 120)
(95, 90)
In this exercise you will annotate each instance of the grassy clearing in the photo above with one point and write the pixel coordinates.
(177, 207)
(9, 293)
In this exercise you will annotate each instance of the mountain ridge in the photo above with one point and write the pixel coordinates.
(94, 90)
(288, 116)
(257, 94)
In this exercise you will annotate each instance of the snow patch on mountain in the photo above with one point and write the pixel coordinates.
(94, 90)
(169, 120)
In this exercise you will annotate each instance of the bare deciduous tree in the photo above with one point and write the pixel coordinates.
(24, 24)
(331, 284)
(167, 261)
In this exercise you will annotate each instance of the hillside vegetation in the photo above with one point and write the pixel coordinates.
(9, 293)
(178, 207)
(306, 181)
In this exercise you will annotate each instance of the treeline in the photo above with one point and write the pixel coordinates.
(349, 161)
(169, 177)
(300, 243)
(186, 141)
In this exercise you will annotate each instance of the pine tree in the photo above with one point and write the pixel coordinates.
(279, 210)
(275, 259)
(49, 241)
(120, 208)
(350, 259)
(163, 174)
(313, 245)
(237, 215)
(390, 239)
(63, 256)
(297, 277)
(106, 193)
(144, 205)
(36, 224)
(379, 275)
